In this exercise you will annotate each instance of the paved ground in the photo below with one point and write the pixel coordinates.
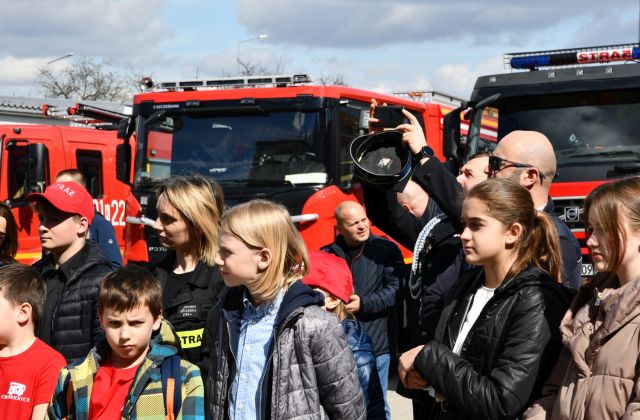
(400, 406)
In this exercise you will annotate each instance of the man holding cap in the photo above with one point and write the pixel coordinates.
(72, 269)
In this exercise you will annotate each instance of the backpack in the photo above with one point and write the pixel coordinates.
(171, 386)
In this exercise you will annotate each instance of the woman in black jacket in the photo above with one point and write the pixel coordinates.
(189, 212)
(497, 340)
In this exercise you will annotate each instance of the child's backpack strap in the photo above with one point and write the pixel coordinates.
(171, 386)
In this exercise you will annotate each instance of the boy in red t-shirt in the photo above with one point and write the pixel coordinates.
(127, 374)
(29, 368)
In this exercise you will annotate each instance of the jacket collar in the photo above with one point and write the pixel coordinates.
(201, 274)
(298, 295)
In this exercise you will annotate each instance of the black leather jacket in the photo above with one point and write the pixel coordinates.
(508, 353)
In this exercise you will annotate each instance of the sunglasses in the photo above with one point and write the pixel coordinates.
(496, 164)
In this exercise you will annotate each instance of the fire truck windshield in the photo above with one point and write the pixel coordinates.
(593, 133)
(274, 148)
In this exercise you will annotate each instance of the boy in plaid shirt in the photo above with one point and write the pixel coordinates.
(126, 375)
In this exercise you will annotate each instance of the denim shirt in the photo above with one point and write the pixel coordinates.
(251, 346)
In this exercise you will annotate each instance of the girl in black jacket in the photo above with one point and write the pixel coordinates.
(498, 339)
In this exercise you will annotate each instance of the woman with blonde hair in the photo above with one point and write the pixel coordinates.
(189, 212)
(274, 352)
(597, 375)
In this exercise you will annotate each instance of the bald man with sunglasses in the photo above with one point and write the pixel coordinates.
(527, 157)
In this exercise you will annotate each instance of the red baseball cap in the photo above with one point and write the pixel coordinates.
(69, 197)
(329, 273)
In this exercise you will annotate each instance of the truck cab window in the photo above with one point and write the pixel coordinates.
(17, 172)
(89, 162)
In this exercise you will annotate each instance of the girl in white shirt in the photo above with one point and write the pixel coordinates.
(497, 339)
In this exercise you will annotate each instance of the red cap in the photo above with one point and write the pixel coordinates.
(331, 274)
(69, 197)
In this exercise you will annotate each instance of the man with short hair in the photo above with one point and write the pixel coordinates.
(376, 266)
(527, 157)
(100, 230)
(72, 269)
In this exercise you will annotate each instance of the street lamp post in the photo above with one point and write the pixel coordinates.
(67, 55)
(261, 36)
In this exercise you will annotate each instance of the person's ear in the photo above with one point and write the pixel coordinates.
(331, 302)
(83, 226)
(513, 234)
(529, 177)
(24, 312)
(265, 258)
(157, 322)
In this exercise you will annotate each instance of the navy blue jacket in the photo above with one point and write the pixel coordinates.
(376, 272)
(360, 344)
(102, 232)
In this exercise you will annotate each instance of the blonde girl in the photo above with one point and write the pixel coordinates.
(274, 352)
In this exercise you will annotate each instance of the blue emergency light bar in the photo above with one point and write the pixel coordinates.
(604, 54)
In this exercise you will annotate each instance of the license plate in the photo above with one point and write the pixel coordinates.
(587, 270)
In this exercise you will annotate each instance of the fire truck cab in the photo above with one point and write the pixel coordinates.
(30, 157)
(273, 137)
(586, 101)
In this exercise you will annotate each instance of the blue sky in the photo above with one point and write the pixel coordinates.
(383, 45)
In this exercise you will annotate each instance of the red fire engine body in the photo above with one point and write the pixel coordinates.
(587, 109)
(31, 156)
(272, 137)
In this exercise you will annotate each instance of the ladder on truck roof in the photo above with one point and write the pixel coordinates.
(430, 97)
(86, 115)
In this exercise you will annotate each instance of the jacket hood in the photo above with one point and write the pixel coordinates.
(297, 295)
(356, 336)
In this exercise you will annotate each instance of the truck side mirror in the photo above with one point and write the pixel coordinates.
(37, 158)
(125, 128)
(123, 162)
(451, 145)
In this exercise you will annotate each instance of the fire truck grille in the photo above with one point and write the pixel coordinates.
(570, 210)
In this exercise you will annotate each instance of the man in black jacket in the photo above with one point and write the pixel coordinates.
(72, 269)
(376, 266)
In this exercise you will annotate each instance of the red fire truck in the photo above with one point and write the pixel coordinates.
(31, 156)
(273, 137)
(586, 101)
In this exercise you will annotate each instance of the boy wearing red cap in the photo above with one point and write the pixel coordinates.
(330, 275)
(72, 269)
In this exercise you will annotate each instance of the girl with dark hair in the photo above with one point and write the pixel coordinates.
(497, 339)
(597, 375)
(8, 236)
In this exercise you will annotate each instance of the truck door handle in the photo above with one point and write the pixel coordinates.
(140, 221)
(305, 218)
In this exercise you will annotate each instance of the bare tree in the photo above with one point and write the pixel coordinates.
(87, 79)
(249, 68)
(334, 80)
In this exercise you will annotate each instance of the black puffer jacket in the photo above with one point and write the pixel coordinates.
(508, 353)
(72, 326)
(311, 373)
(190, 306)
(376, 269)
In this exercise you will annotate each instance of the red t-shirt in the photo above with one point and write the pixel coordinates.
(28, 379)
(110, 389)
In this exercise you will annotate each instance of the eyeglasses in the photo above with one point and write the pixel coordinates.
(496, 164)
